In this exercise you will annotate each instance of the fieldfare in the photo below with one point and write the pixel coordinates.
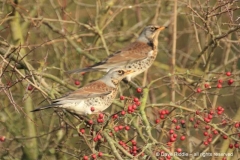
(138, 56)
(92, 98)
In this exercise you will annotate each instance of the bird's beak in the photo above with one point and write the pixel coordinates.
(129, 71)
(161, 28)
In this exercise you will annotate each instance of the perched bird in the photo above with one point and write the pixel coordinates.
(92, 98)
(138, 56)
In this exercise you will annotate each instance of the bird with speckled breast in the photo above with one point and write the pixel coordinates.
(98, 94)
(137, 56)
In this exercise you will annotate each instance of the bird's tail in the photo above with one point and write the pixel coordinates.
(44, 107)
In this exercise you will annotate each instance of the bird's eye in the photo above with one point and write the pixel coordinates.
(120, 72)
(152, 28)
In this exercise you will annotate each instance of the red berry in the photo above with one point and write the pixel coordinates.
(120, 127)
(198, 122)
(30, 87)
(236, 145)
(2, 138)
(115, 116)
(138, 103)
(195, 126)
(157, 121)
(191, 119)
(174, 135)
(210, 116)
(121, 143)
(100, 120)
(92, 109)
(82, 130)
(99, 136)
(85, 157)
(206, 85)
(134, 148)
(209, 140)
(237, 125)
(207, 127)
(163, 112)
(219, 112)
(215, 132)
(174, 120)
(139, 90)
(207, 120)
(171, 131)
(134, 106)
(199, 90)
(127, 128)
(162, 116)
(167, 111)
(100, 154)
(90, 122)
(183, 137)
(178, 127)
(122, 97)
(225, 137)
(123, 112)
(94, 156)
(205, 133)
(183, 121)
(219, 108)
(95, 139)
(134, 143)
(168, 156)
(219, 85)
(116, 128)
(172, 139)
(197, 112)
(179, 150)
(230, 81)
(211, 112)
(228, 73)
(205, 143)
(100, 116)
(230, 146)
(77, 82)
(135, 99)
(220, 81)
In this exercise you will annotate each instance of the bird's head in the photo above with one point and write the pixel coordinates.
(150, 33)
(116, 75)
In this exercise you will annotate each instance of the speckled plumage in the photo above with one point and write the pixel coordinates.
(138, 56)
(98, 94)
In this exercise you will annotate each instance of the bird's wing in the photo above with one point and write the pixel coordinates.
(94, 89)
(134, 52)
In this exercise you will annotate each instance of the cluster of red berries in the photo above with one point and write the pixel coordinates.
(100, 118)
(236, 145)
(98, 137)
(120, 127)
(131, 108)
(162, 115)
(219, 84)
(94, 156)
(133, 149)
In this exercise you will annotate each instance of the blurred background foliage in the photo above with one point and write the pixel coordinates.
(40, 40)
